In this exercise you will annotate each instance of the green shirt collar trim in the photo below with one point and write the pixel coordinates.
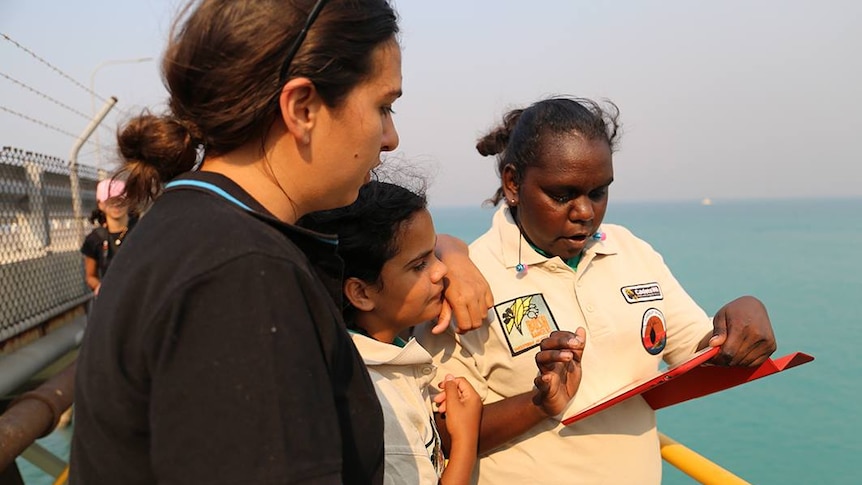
(571, 262)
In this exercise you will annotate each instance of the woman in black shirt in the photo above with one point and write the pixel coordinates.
(216, 352)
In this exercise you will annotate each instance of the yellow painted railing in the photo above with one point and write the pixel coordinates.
(684, 459)
(695, 465)
(63, 477)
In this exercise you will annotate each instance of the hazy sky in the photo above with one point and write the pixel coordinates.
(720, 99)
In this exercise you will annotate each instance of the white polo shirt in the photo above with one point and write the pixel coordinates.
(635, 314)
(401, 376)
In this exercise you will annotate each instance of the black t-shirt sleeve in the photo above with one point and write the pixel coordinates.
(92, 246)
(240, 391)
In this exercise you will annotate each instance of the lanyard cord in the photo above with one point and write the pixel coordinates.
(210, 187)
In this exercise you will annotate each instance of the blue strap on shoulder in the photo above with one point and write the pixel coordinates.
(212, 188)
(222, 193)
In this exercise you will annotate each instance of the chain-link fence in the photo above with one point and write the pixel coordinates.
(41, 268)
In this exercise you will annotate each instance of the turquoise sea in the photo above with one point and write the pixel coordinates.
(803, 259)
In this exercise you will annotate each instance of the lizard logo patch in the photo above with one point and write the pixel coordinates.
(526, 320)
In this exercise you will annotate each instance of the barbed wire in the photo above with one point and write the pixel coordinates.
(51, 66)
(38, 122)
(92, 143)
(106, 129)
(52, 127)
(49, 98)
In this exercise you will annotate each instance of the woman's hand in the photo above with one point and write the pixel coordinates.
(468, 296)
(743, 331)
(559, 363)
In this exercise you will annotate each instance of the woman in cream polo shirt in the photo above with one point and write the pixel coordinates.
(553, 265)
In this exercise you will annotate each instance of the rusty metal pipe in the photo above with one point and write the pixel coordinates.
(34, 414)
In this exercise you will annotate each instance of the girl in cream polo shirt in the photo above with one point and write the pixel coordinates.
(393, 281)
(552, 265)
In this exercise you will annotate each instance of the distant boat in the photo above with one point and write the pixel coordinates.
(706, 201)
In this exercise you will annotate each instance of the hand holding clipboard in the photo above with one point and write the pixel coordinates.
(690, 379)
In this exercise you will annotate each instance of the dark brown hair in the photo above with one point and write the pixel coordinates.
(221, 68)
(369, 230)
(518, 140)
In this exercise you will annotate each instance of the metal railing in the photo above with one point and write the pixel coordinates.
(695, 465)
(34, 414)
(41, 268)
(34, 418)
(43, 295)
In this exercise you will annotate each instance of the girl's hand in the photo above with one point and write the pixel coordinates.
(461, 408)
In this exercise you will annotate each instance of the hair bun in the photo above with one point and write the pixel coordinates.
(495, 142)
(165, 143)
(155, 150)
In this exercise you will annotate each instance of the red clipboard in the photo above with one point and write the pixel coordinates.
(690, 380)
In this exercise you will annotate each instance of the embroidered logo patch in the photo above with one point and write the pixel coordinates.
(640, 293)
(526, 321)
(653, 331)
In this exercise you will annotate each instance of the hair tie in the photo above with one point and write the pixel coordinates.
(195, 136)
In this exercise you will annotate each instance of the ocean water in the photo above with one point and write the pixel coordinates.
(803, 259)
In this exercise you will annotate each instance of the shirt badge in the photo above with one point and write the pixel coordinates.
(653, 331)
(641, 293)
(526, 320)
